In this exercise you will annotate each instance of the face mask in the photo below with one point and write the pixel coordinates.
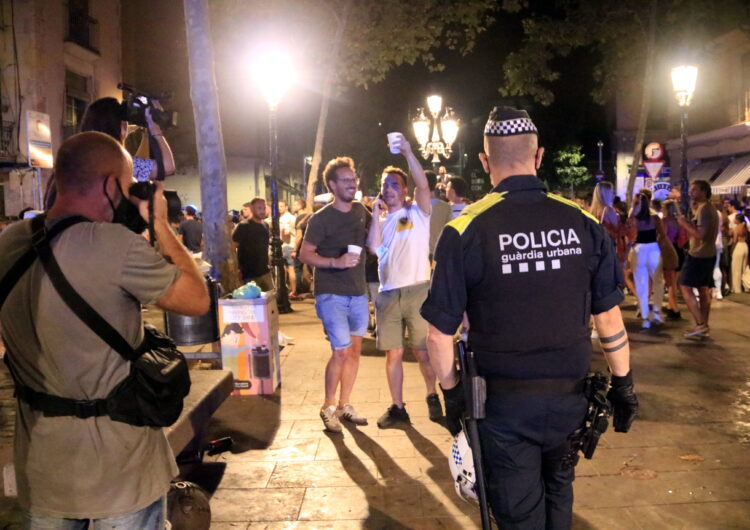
(126, 213)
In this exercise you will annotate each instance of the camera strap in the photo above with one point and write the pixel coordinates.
(81, 307)
(155, 150)
(49, 404)
(18, 269)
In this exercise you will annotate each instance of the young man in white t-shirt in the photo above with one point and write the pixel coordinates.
(288, 239)
(400, 238)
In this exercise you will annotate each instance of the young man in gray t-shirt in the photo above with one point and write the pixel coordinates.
(333, 245)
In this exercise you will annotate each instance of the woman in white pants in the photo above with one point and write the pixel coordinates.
(740, 269)
(647, 260)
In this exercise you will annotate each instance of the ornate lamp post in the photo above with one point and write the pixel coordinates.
(435, 133)
(274, 74)
(683, 81)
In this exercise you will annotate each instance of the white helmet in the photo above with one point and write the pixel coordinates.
(461, 463)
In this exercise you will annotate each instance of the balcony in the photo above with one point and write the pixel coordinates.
(7, 132)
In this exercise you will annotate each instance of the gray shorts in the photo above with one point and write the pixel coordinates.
(398, 309)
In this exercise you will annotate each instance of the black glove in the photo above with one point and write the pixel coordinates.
(455, 405)
(624, 402)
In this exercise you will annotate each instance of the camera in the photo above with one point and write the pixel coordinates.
(136, 102)
(145, 191)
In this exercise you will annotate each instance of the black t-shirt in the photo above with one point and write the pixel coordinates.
(332, 231)
(191, 231)
(252, 253)
(529, 268)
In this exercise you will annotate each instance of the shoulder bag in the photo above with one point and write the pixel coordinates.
(151, 395)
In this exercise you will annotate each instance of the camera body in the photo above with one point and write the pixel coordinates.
(145, 191)
(136, 102)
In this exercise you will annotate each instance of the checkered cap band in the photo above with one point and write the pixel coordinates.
(510, 127)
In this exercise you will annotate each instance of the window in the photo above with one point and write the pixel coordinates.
(77, 97)
(80, 25)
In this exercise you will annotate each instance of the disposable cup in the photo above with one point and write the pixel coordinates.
(394, 138)
(354, 249)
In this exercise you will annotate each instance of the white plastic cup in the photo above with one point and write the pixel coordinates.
(394, 139)
(354, 249)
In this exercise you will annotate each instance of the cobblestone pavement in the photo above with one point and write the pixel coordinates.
(685, 463)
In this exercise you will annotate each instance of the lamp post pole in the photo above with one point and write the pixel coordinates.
(683, 165)
(273, 73)
(277, 256)
(600, 144)
(683, 82)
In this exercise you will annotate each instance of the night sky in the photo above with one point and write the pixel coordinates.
(360, 118)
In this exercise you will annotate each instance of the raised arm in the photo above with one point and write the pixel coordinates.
(422, 193)
(188, 294)
(375, 235)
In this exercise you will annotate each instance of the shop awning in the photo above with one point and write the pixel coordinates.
(734, 178)
(705, 170)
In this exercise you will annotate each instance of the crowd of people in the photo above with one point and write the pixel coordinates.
(421, 256)
(667, 252)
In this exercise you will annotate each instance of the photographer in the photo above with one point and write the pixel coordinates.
(87, 466)
(108, 115)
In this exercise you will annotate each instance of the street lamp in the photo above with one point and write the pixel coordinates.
(435, 133)
(273, 74)
(600, 173)
(683, 82)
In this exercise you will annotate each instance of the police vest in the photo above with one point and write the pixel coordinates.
(535, 292)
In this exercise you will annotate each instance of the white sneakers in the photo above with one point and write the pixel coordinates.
(349, 414)
(330, 416)
(330, 419)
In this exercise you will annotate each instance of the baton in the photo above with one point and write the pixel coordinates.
(475, 392)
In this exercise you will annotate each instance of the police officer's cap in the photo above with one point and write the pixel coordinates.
(507, 121)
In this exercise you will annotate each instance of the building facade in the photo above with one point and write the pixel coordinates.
(57, 56)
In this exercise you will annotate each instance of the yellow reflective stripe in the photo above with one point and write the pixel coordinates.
(571, 203)
(461, 223)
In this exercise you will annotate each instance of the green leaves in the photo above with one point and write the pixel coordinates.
(568, 166)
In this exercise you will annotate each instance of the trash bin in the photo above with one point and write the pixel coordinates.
(189, 331)
(250, 343)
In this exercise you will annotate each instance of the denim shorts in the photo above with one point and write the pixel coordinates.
(152, 517)
(286, 251)
(343, 317)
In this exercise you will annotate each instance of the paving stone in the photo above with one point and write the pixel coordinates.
(322, 474)
(707, 515)
(280, 450)
(243, 475)
(350, 502)
(256, 504)
(609, 518)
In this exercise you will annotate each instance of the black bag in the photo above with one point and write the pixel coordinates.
(159, 380)
(153, 392)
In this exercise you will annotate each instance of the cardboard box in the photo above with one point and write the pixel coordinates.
(249, 335)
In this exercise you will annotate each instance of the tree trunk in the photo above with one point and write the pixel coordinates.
(645, 102)
(325, 104)
(209, 143)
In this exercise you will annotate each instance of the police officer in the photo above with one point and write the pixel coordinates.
(528, 268)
